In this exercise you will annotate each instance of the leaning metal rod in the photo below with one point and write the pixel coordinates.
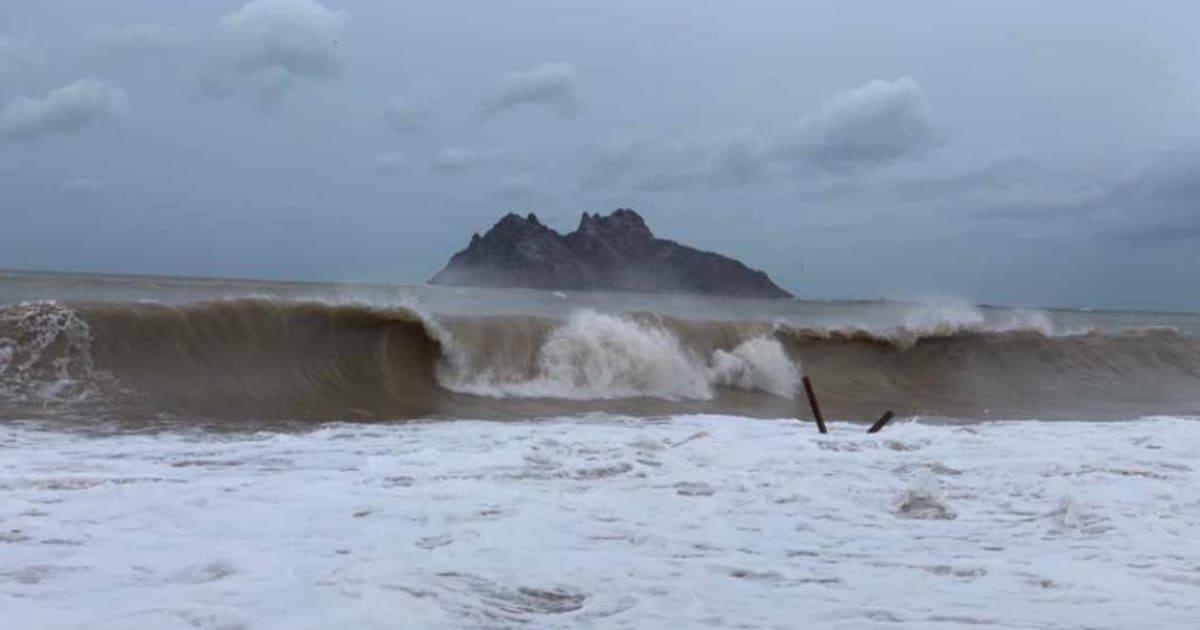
(816, 408)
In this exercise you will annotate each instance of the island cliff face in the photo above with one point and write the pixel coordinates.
(605, 253)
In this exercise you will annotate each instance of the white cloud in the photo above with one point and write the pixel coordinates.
(455, 160)
(16, 58)
(552, 85)
(404, 115)
(64, 110)
(301, 38)
(132, 38)
(876, 123)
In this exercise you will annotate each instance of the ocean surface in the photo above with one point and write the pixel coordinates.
(211, 453)
(93, 350)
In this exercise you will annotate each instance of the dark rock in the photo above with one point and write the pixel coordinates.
(617, 252)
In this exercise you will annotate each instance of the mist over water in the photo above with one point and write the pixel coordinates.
(140, 349)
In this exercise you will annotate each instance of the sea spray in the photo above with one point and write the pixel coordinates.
(602, 356)
(45, 353)
(756, 364)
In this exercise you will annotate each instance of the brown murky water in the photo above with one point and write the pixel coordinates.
(88, 348)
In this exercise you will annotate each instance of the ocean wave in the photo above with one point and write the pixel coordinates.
(263, 358)
(596, 356)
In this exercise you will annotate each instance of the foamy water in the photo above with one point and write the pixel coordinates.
(692, 521)
(596, 355)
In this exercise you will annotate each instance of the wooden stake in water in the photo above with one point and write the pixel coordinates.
(887, 415)
(816, 408)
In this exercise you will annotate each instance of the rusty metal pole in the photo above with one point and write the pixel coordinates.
(887, 415)
(816, 408)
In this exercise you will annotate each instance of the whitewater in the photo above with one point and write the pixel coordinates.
(605, 522)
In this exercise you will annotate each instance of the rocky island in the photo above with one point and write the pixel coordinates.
(617, 252)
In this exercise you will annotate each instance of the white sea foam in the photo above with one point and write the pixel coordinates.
(45, 353)
(952, 317)
(8, 350)
(611, 522)
(945, 318)
(598, 356)
(756, 364)
(948, 318)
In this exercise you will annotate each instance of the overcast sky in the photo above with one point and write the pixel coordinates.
(1020, 152)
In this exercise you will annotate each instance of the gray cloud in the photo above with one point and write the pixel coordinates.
(769, 114)
(456, 160)
(876, 123)
(132, 38)
(404, 115)
(1160, 201)
(81, 185)
(735, 159)
(1005, 172)
(390, 162)
(1007, 186)
(16, 58)
(273, 42)
(519, 186)
(551, 85)
(65, 110)
(268, 86)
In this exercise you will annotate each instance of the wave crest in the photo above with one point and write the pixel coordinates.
(258, 358)
(600, 356)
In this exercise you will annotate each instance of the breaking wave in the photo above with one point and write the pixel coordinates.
(600, 356)
(268, 359)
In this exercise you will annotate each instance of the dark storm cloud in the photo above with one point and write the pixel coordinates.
(64, 110)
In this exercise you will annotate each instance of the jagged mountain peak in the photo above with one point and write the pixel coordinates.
(617, 252)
